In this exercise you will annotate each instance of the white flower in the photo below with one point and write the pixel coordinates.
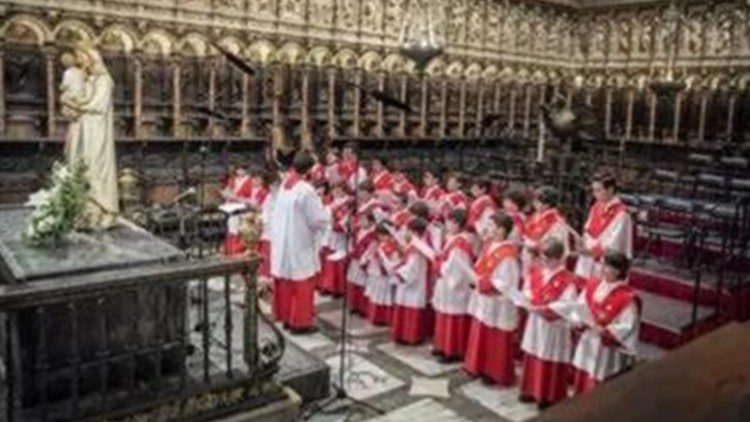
(38, 198)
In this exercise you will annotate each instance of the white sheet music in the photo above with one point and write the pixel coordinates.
(232, 207)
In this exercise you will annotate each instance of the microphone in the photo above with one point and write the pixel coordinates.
(190, 192)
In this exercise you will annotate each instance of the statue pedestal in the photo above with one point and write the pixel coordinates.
(109, 323)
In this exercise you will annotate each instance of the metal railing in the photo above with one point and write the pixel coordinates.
(164, 341)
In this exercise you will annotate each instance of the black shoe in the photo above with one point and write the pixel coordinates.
(525, 399)
(436, 352)
(287, 326)
(307, 330)
(488, 381)
(449, 359)
(543, 405)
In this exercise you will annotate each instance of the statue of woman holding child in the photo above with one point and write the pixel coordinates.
(87, 100)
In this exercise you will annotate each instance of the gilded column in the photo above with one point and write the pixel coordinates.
(212, 64)
(462, 107)
(480, 108)
(702, 118)
(730, 113)
(498, 96)
(245, 130)
(305, 106)
(629, 116)
(176, 98)
(404, 97)
(2, 89)
(608, 113)
(137, 94)
(49, 58)
(278, 89)
(357, 109)
(380, 129)
(677, 112)
(527, 111)
(512, 105)
(652, 117)
(331, 102)
(424, 96)
(443, 106)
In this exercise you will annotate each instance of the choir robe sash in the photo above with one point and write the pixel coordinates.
(433, 194)
(382, 180)
(390, 250)
(544, 292)
(459, 241)
(488, 261)
(452, 201)
(539, 224)
(606, 310)
(601, 217)
(403, 187)
(362, 243)
(340, 209)
(402, 218)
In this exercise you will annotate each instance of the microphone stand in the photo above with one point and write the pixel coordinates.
(340, 393)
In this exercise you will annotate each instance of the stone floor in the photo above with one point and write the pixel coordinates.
(405, 383)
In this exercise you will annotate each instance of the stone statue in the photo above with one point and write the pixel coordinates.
(86, 96)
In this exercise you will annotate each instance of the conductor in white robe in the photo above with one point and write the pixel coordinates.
(299, 218)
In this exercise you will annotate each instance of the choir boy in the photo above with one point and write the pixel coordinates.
(609, 310)
(334, 264)
(491, 345)
(481, 210)
(514, 202)
(450, 299)
(297, 220)
(547, 339)
(608, 227)
(546, 222)
(350, 169)
(409, 318)
(271, 182)
(237, 193)
(333, 167)
(432, 193)
(380, 270)
(380, 176)
(403, 186)
(364, 245)
(454, 197)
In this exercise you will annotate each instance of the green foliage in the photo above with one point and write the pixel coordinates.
(57, 209)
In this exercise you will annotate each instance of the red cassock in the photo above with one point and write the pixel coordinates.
(450, 299)
(335, 261)
(298, 217)
(379, 290)
(610, 349)
(409, 320)
(491, 346)
(547, 341)
(241, 187)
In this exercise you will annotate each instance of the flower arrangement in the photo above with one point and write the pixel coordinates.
(58, 208)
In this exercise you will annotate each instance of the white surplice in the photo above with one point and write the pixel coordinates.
(551, 341)
(597, 359)
(297, 222)
(453, 289)
(497, 310)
